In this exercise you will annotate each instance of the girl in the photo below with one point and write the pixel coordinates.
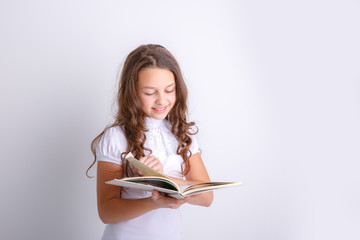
(151, 123)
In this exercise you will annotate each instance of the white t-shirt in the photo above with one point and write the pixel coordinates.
(161, 223)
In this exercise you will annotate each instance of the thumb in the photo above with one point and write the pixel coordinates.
(155, 193)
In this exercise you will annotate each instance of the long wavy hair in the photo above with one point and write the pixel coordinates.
(130, 116)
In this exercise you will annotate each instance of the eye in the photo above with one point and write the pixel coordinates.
(148, 94)
(170, 91)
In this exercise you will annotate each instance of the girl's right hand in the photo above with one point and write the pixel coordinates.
(152, 162)
(162, 201)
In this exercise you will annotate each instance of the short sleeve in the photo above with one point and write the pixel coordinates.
(194, 147)
(111, 146)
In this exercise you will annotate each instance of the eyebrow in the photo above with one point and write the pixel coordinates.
(154, 87)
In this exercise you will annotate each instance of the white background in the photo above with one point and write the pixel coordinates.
(274, 88)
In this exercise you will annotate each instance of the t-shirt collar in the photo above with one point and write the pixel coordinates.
(152, 123)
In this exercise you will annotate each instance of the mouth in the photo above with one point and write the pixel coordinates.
(160, 109)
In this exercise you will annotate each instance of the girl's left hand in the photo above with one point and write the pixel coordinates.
(167, 202)
(152, 162)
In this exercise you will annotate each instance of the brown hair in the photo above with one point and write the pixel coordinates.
(130, 116)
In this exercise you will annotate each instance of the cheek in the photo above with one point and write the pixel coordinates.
(145, 102)
(173, 99)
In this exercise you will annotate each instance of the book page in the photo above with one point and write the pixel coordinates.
(153, 181)
(206, 187)
(142, 186)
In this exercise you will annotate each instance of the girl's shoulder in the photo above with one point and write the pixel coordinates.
(114, 136)
(111, 145)
(114, 130)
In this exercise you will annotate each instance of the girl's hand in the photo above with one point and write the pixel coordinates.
(167, 202)
(152, 162)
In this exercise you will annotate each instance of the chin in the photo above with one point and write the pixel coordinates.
(158, 117)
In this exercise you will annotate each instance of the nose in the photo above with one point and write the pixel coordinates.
(160, 99)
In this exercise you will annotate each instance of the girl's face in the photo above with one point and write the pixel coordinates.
(156, 91)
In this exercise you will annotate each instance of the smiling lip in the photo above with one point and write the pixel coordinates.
(160, 109)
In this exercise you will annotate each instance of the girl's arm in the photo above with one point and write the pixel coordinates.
(113, 209)
(197, 174)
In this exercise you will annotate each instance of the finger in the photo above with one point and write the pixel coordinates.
(155, 194)
(154, 164)
(142, 159)
(149, 159)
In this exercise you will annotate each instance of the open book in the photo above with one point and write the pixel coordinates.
(153, 180)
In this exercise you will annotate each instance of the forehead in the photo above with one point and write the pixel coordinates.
(155, 78)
